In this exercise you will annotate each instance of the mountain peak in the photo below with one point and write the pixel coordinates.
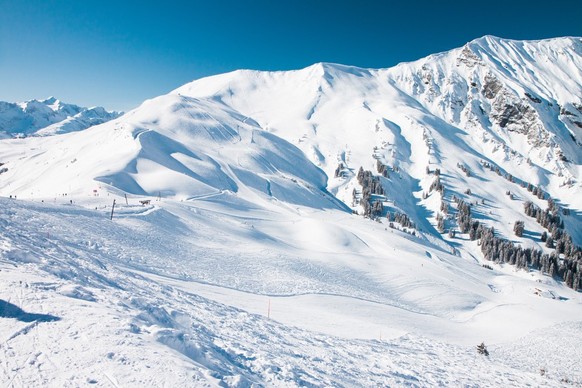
(335, 69)
(50, 100)
(492, 43)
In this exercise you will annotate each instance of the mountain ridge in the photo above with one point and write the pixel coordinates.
(405, 117)
(48, 117)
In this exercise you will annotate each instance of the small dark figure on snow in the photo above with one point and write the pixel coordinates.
(482, 349)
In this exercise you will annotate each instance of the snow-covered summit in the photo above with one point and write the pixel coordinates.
(48, 116)
(515, 103)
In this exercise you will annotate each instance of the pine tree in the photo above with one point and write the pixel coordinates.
(360, 175)
(518, 228)
(569, 279)
(444, 207)
(440, 223)
(552, 270)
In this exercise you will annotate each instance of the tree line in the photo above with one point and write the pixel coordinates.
(500, 250)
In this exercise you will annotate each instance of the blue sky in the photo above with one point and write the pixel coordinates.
(119, 53)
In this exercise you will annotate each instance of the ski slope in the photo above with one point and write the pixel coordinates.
(150, 298)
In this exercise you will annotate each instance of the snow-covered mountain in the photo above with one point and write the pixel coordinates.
(506, 101)
(172, 146)
(48, 117)
(327, 226)
(514, 106)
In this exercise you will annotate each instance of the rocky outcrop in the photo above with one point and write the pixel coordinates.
(468, 58)
(491, 87)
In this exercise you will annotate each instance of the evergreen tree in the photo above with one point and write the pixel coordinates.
(518, 228)
(338, 171)
(440, 223)
(569, 278)
(552, 271)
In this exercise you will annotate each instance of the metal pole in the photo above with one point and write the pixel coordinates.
(112, 209)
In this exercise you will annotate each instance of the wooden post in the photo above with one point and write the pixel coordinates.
(126, 199)
(112, 209)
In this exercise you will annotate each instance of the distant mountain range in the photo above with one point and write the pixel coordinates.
(48, 117)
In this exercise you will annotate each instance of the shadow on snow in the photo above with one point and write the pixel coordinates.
(8, 310)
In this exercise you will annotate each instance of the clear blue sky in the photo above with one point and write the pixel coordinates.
(118, 53)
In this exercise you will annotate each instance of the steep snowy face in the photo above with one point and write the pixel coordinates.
(520, 96)
(48, 117)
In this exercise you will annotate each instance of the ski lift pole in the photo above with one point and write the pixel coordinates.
(112, 209)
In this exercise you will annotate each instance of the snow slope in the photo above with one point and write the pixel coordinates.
(234, 257)
(156, 297)
(172, 146)
(48, 117)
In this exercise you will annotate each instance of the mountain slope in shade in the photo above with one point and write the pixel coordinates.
(48, 117)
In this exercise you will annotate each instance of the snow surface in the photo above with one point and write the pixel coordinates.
(233, 257)
(156, 297)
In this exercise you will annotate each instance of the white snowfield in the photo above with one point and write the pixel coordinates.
(233, 256)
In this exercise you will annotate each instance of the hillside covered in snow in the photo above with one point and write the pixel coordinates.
(327, 226)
